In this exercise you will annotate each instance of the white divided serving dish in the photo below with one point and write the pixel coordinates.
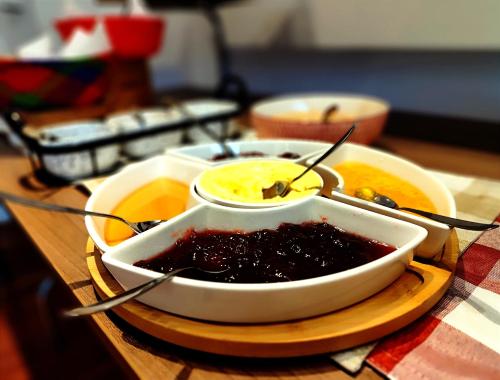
(115, 188)
(432, 187)
(204, 152)
(254, 303)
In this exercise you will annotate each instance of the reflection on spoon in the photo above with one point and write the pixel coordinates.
(370, 195)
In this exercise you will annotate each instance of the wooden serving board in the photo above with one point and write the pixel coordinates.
(396, 306)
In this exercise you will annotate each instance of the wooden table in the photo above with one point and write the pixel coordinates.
(61, 239)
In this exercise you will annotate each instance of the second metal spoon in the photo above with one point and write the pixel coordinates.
(130, 294)
(136, 227)
(368, 194)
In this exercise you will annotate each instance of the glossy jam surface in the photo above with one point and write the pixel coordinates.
(162, 198)
(358, 174)
(225, 156)
(291, 252)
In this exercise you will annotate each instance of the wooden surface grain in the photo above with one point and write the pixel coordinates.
(61, 239)
(464, 161)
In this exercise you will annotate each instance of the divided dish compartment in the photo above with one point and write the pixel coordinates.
(329, 178)
(255, 303)
(115, 188)
(433, 188)
(271, 148)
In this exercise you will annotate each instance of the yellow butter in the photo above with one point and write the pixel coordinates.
(244, 181)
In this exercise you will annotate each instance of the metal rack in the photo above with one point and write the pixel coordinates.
(36, 150)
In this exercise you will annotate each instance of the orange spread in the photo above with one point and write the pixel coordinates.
(357, 174)
(162, 198)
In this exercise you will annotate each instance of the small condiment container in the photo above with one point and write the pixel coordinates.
(78, 164)
(147, 119)
(240, 183)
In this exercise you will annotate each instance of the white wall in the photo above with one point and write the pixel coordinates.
(415, 24)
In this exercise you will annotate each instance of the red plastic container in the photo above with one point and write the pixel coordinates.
(134, 36)
(129, 36)
(67, 26)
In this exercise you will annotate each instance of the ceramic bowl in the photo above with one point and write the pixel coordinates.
(115, 188)
(78, 164)
(278, 117)
(133, 121)
(432, 187)
(204, 108)
(204, 152)
(211, 197)
(266, 302)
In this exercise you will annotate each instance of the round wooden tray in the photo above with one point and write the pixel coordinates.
(409, 297)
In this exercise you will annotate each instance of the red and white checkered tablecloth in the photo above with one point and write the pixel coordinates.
(460, 337)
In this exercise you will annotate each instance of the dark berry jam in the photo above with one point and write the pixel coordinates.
(223, 156)
(289, 155)
(292, 252)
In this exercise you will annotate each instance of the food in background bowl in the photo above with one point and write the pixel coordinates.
(300, 117)
(316, 116)
(241, 183)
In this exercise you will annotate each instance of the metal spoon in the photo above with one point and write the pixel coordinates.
(368, 194)
(282, 188)
(136, 227)
(329, 111)
(130, 294)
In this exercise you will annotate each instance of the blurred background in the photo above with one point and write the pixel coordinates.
(436, 63)
(423, 56)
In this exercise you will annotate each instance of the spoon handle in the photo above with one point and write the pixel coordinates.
(327, 153)
(452, 222)
(54, 207)
(122, 297)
